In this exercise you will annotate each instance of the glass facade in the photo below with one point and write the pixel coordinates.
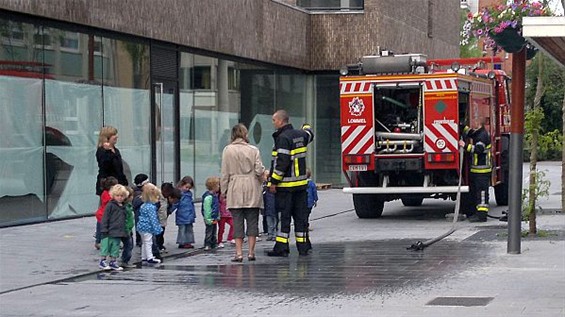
(59, 87)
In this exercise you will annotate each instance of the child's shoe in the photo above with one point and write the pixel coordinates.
(114, 266)
(104, 265)
(220, 245)
(128, 265)
(153, 261)
(232, 241)
(207, 248)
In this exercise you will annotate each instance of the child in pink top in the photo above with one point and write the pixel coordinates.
(225, 217)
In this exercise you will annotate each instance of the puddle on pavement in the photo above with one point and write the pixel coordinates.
(346, 268)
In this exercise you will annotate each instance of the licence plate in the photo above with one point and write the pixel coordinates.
(357, 168)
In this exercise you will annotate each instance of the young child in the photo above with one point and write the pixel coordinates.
(312, 193)
(107, 183)
(148, 224)
(173, 200)
(113, 228)
(127, 242)
(211, 212)
(312, 202)
(163, 214)
(139, 180)
(270, 213)
(225, 218)
(185, 214)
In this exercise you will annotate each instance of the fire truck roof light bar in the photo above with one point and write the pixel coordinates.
(404, 190)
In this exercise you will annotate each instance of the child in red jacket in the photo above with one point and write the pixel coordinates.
(107, 183)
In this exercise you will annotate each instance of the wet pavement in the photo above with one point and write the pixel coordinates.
(357, 268)
(332, 268)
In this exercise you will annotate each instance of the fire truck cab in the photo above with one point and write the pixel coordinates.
(401, 119)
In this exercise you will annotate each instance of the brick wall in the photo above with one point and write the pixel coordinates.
(400, 26)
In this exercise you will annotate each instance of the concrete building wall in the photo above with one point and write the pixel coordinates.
(268, 31)
(400, 26)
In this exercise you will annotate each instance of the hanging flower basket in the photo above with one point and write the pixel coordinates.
(501, 26)
(509, 40)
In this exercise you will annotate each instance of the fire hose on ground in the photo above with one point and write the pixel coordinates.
(419, 246)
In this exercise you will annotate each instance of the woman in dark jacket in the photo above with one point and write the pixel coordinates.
(109, 158)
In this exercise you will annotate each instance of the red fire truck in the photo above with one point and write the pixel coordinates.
(401, 119)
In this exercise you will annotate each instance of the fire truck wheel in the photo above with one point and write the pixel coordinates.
(368, 206)
(501, 194)
(412, 201)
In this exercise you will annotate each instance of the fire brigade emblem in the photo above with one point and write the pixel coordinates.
(356, 107)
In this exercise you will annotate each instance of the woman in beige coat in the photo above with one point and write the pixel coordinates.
(241, 184)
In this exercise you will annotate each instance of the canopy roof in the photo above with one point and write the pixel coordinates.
(547, 34)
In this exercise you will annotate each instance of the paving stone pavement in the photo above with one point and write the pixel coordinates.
(360, 270)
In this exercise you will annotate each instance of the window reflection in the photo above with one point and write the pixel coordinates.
(22, 69)
(201, 77)
(209, 106)
(65, 85)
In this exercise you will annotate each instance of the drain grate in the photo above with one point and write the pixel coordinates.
(460, 301)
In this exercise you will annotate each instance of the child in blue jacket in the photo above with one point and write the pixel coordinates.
(312, 202)
(149, 225)
(185, 215)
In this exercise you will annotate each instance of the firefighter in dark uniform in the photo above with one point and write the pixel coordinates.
(287, 179)
(478, 146)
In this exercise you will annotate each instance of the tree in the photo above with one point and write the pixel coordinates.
(563, 143)
(536, 117)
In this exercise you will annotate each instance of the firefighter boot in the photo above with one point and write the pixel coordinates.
(281, 246)
(302, 243)
(482, 210)
(478, 217)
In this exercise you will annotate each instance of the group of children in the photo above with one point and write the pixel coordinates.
(147, 208)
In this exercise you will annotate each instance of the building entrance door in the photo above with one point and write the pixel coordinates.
(164, 156)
